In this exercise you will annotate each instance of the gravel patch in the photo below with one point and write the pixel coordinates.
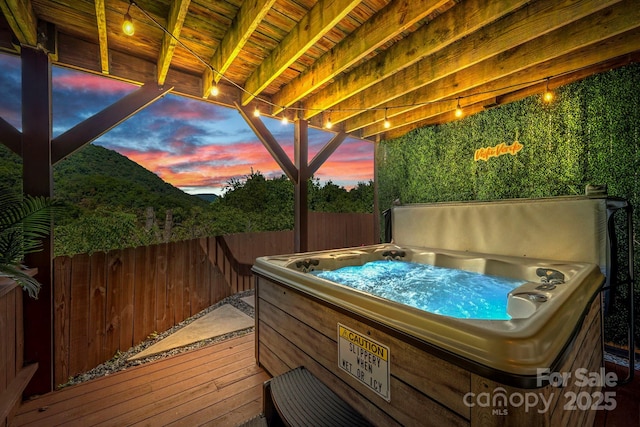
(619, 360)
(119, 362)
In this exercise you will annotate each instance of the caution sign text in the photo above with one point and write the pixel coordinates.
(364, 359)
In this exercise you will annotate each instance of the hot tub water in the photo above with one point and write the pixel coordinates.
(444, 291)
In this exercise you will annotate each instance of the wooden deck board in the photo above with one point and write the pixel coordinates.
(218, 385)
(215, 385)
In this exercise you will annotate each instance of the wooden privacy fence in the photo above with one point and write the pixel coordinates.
(14, 375)
(108, 302)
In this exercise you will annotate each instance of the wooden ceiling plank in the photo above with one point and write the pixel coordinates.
(82, 55)
(604, 54)
(320, 19)
(10, 137)
(395, 18)
(101, 21)
(269, 142)
(444, 30)
(98, 124)
(246, 21)
(519, 29)
(22, 20)
(177, 13)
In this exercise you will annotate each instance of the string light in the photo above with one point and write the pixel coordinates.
(256, 112)
(127, 23)
(459, 111)
(284, 120)
(128, 29)
(214, 90)
(328, 124)
(387, 123)
(548, 95)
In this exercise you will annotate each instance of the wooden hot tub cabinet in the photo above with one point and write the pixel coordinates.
(427, 385)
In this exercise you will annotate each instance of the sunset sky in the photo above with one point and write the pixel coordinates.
(194, 145)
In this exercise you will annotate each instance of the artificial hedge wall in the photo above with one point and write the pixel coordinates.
(590, 134)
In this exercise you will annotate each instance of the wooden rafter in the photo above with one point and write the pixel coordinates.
(98, 124)
(320, 19)
(443, 31)
(101, 20)
(352, 60)
(509, 35)
(249, 16)
(386, 24)
(177, 14)
(614, 52)
(593, 29)
(513, 33)
(22, 20)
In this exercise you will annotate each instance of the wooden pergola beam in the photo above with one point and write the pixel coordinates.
(442, 31)
(326, 151)
(177, 14)
(10, 137)
(539, 57)
(526, 24)
(101, 20)
(626, 45)
(249, 16)
(324, 15)
(98, 124)
(270, 143)
(22, 20)
(385, 25)
(134, 69)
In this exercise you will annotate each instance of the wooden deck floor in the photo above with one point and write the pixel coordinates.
(216, 385)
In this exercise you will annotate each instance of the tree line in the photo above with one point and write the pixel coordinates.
(109, 202)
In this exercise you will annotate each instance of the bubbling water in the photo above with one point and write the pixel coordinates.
(444, 291)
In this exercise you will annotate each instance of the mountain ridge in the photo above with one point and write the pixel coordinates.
(95, 177)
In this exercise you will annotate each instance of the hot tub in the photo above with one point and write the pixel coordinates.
(387, 359)
(541, 311)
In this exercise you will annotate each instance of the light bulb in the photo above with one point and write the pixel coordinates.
(284, 120)
(459, 111)
(328, 125)
(387, 124)
(548, 95)
(127, 25)
(256, 112)
(214, 90)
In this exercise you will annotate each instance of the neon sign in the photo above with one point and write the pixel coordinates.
(498, 150)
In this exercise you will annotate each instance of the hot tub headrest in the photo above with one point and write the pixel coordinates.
(559, 228)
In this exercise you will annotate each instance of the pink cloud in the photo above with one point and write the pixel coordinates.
(91, 83)
(214, 166)
(185, 110)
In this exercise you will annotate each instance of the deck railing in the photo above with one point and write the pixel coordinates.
(108, 302)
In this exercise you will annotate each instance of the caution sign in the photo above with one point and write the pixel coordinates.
(364, 359)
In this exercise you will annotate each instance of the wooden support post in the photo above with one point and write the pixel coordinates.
(301, 191)
(38, 181)
(299, 172)
(376, 200)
